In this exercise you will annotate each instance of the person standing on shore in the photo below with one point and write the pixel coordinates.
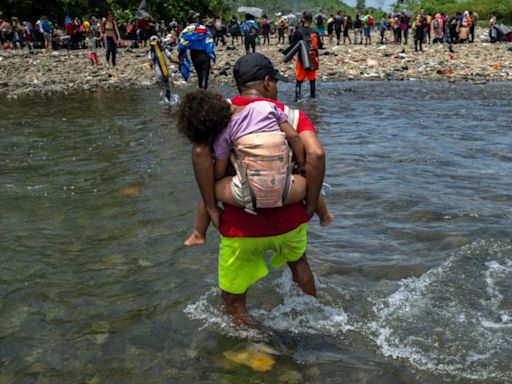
(347, 24)
(383, 27)
(265, 30)
(320, 24)
(338, 26)
(45, 29)
(404, 26)
(438, 28)
(474, 21)
(358, 30)
(292, 25)
(419, 30)
(493, 33)
(281, 27)
(111, 35)
(92, 47)
(368, 23)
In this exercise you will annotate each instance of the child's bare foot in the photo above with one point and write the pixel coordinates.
(324, 221)
(195, 239)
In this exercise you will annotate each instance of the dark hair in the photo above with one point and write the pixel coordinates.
(201, 115)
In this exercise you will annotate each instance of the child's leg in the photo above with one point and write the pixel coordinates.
(223, 192)
(297, 191)
(323, 213)
(198, 237)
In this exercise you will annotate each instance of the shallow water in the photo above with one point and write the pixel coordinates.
(414, 276)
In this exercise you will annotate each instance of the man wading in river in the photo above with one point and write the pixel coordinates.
(303, 71)
(245, 238)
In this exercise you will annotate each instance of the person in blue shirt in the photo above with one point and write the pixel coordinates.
(197, 39)
(383, 27)
(249, 29)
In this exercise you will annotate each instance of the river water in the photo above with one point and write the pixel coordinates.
(414, 275)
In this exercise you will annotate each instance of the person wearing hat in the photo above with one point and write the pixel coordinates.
(196, 39)
(306, 67)
(245, 238)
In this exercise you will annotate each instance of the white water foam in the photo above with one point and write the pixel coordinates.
(298, 314)
(450, 320)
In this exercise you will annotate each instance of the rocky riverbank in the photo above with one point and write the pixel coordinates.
(24, 73)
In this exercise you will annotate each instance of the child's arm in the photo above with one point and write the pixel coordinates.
(203, 170)
(296, 143)
(219, 168)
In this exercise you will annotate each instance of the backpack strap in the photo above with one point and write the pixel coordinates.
(293, 116)
(249, 199)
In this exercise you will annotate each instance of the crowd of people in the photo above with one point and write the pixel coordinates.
(340, 27)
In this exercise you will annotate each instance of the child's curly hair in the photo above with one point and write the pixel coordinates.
(202, 115)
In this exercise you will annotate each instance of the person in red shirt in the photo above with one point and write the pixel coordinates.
(244, 237)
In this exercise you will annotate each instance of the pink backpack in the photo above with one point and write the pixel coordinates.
(263, 162)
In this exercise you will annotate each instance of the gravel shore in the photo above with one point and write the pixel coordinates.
(35, 73)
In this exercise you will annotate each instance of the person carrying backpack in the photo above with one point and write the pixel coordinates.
(307, 63)
(368, 22)
(249, 30)
(320, 24)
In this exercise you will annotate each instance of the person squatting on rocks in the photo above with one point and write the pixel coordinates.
(110, 32)
(307, 63)
(245, 238)
(197, 39)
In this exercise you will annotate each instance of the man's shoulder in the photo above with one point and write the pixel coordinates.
(304, 124)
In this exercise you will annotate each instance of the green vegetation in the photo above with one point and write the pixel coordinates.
(166, 9)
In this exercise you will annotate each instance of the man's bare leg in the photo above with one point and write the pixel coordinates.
(303, 276)
(237, 310)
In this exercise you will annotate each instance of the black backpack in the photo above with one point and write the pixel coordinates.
(350, 24)
(250, 32)
(319, 20)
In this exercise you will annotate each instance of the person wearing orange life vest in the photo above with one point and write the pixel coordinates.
(305, 71)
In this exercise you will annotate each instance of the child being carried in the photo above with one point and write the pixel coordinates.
(255, 139)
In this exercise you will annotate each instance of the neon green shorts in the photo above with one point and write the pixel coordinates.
(242, 262)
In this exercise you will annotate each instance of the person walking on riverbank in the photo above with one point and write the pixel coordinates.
(196, 39)
(249, 29)
(111, 36)
(246, 238)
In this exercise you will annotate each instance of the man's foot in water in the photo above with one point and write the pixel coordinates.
(325, 221)
(195, 239)
(243, 318)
